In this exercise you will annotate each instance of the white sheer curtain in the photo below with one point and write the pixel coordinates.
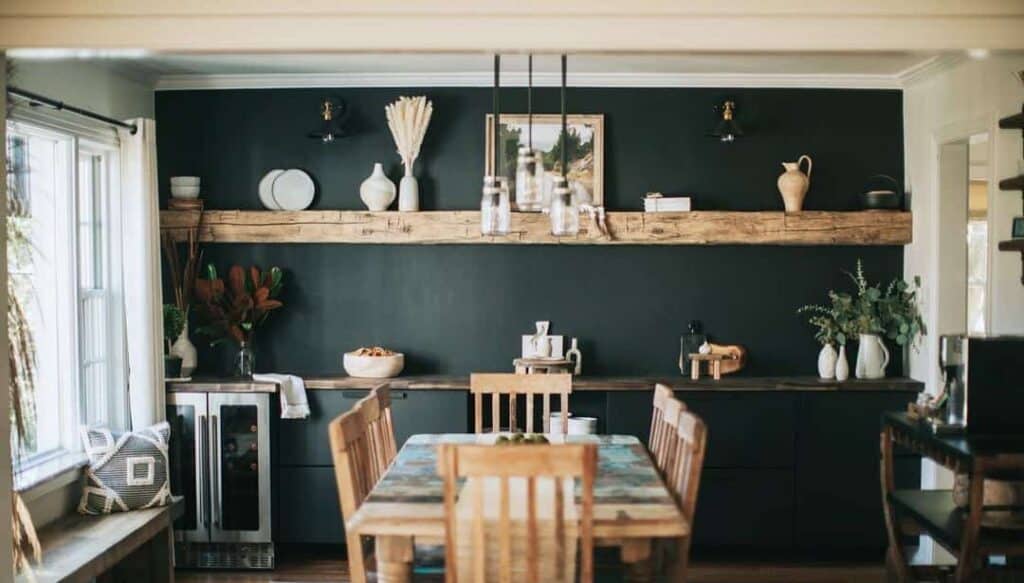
(142, 289)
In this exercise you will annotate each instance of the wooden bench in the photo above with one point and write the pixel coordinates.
(126, 546)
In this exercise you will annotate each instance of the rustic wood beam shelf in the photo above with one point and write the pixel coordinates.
(462, 227)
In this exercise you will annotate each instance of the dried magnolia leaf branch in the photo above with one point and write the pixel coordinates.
(408, 119)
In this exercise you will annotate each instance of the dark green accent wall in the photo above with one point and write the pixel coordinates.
(456, 309)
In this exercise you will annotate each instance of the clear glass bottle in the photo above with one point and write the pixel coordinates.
(565, 216)
(690, 343)
(527, 196)
(245, 361)
(495, 207)
(539, 179)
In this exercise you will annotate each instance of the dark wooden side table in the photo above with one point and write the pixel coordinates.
(933, 512)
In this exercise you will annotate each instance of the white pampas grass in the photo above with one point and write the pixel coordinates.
(408, 119)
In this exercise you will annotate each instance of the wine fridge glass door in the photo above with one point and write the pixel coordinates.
(189, 447)
(240, 467)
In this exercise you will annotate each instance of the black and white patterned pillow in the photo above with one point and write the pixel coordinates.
(127, 471)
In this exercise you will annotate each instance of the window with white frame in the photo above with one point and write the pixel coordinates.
(64, 264)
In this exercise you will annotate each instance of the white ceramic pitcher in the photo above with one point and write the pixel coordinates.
(872, 357)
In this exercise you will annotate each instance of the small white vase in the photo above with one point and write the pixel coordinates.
(872, 357)
(842, 366)
(377, 191)
(186, 351)
(827, 362)
(408, 193)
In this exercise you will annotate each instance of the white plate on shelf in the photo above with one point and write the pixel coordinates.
(266, 187)
(293, 190)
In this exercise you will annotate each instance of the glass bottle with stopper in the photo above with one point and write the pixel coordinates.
(690, 343)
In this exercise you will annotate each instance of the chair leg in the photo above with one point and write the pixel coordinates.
(680, 559)
(356, 561)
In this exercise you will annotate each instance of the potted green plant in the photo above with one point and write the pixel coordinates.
(233, 310)
(870, 314)
(174, 323)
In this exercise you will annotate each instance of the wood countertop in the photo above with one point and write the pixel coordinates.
(582, 383)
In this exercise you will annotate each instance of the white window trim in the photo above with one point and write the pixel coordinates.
(47, 471)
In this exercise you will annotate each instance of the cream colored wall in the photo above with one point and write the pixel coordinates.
(967, 99)
(85, 84)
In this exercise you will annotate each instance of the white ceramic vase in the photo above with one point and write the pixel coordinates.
(842, 365)
(872, 357)
(377, 191)
(186, 351)
(827, 362)
(408, 193)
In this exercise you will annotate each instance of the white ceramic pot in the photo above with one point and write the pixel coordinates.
(377, 191)
(872, 357)
(827, 362)
(184, 191)
(373, 367)
(408, 194)
(577, 425)
(842, 365)
(186, 351)
(184, 181)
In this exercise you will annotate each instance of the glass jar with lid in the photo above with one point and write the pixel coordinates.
(528, 197)
(565, 216)
(495, 207)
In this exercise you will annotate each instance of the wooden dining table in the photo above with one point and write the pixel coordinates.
(632, 505)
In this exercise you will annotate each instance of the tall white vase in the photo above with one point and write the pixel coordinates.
(842, 365)
(377, 191)
(872, 357)
(186, 351)
(827, 362)
(408, 193)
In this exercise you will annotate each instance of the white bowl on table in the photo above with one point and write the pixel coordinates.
(184, 181)
(373, 367)
(184, 191)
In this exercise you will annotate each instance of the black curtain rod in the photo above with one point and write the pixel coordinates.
(37, 99)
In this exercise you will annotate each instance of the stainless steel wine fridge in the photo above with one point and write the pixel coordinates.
(220, 463)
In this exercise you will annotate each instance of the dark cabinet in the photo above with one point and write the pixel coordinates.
(629, 413)
(741, 509)
(308, 510)
(746, 429)
(426, 411)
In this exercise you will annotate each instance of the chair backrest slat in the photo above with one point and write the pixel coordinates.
(376, 410)
(512, 385)
(521, 461)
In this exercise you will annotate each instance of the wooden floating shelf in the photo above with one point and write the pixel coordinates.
(1015, 183)
(463, 227)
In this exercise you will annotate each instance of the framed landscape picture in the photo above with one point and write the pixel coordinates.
(584, 153)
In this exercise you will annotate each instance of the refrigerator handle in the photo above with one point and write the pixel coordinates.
(204, 467)
(215, 470)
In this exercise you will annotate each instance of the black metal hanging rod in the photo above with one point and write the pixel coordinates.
(37, 99)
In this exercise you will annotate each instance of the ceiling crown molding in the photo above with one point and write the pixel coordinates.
(519, 79)
(929, 68)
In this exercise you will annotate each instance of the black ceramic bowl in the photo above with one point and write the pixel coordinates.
(882, 193)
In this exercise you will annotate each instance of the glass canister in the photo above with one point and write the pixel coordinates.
(565, 216)
(495, 207)
(528, 197)
(690, 343)
(245, 361)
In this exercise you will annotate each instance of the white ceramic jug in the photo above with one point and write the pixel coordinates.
(793, 184)
(872, 357)
(827, 362)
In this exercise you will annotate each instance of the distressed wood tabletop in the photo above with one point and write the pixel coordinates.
(630, 498)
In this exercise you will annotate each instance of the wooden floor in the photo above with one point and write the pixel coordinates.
(317, 568)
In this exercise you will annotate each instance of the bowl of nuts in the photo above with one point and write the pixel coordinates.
(375, 362)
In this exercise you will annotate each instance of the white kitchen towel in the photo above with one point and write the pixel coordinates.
(292, 390)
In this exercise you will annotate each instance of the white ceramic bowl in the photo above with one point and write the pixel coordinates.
(373, 367)
(184, 181)
(185, 191)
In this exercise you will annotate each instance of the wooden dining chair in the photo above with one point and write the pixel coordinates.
(662, 395)
(683, 478)
(578, 461)
(380, 435)
(350, 449)
(665, 457)
(513, 385)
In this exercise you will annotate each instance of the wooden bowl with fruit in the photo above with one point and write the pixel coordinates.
(375, 362)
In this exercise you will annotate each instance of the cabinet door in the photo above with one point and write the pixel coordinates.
(744, 510)
(308, 510)
(629, 413)
(839, 507)
(240, 467)
(303, 442)
(746, 429)
(188, 449)
(429, 411)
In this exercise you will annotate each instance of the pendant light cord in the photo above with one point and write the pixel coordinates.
(529, 102)
(565, 133)
(497, 117)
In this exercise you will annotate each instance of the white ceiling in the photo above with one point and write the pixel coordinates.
(181, 71)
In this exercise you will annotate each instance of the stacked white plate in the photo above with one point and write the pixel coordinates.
(286, 190)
